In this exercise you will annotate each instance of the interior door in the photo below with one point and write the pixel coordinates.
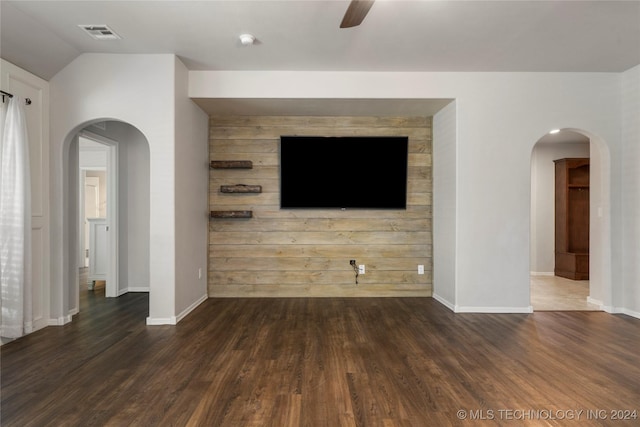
(91, 209)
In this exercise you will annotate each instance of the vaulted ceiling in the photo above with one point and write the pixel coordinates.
(396, 35)
(304, 35)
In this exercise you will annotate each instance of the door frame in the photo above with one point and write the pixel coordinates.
(111, 288)
(600, 285)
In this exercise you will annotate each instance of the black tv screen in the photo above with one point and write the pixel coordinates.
(343, 172)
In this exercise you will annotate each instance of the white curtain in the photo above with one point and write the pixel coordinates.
(15, 222)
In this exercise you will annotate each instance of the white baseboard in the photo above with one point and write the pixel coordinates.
(133, 289)
(595, 302)
(542, 273)
(62, 320)
(154, 321)
(621, 310)
(631, 313)
(192, 307)
(173, 320)
(467, 309)
(444, 302)
(142, 288)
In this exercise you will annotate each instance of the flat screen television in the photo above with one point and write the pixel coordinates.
(346, 172)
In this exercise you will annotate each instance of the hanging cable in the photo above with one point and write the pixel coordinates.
(355, 268)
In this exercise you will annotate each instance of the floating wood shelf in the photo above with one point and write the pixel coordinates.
(241, 188)
(231, 164)
(231, 214)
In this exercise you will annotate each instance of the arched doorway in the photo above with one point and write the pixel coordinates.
(549, 291)
(128, 206)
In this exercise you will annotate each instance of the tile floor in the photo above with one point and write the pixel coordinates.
(560, 294)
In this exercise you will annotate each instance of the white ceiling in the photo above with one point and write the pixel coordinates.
(43, 36)
(397, 35)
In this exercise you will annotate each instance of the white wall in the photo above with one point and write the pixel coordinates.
(191, 189)
(500, 117)
(628, 300)
(543, 200)
(139, 90)
(444, 205)
(137, 185)
(165, 239)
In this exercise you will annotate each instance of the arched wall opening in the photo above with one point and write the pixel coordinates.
(129, 245)
(573, 143)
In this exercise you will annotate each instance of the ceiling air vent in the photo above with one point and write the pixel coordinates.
(100, 32)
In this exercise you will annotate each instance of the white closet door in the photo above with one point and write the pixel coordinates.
(98, 255)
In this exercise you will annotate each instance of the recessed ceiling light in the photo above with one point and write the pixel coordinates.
(100, 32)
(554, 131)
(247, 39)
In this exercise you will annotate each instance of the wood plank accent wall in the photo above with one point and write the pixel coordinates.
(306, 252)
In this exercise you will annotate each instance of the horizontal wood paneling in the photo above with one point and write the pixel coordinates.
(419, 145)
(306, 252)
(324, 251)
(309, 263)
(332, 238)
(323, 121)
(271, 211)
(321, 290)
(273, 199)
(317, 224)
(315, 277)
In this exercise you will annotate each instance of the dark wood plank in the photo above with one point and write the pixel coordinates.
(231, 164)
(317, 362)
(241, 188)
(231, 214)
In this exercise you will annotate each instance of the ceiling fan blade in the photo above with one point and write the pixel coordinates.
(356, 12)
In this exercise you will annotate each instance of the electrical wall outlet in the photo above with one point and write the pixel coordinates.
(420, 269)
(361, 269)
(199, 273)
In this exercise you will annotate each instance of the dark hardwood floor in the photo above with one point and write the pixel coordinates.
(322, 362)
